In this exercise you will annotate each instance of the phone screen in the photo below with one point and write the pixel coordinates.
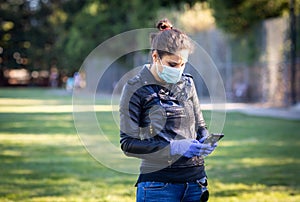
(213, 138)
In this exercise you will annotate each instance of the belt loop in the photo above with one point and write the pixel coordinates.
(202, 182)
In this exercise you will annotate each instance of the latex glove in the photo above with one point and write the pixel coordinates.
(185, 147)
(203, 139)
(208, 148)
(190, 148)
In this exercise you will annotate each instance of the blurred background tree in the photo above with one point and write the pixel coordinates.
(38, 34)
(57, 35)
(238, 16)
(241, 20)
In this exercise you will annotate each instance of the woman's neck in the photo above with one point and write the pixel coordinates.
(153, 70)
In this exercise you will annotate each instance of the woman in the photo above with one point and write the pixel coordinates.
(162, 124)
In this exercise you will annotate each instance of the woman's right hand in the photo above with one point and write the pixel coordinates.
(190, 148)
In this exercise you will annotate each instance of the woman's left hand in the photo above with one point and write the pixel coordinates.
(207, 148)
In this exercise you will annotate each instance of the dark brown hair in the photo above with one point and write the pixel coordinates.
(169, 40)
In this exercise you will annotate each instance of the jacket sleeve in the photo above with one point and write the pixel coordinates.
(200, 126)
(131, 142)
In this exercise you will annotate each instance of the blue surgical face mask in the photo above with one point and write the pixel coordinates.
(169, 74)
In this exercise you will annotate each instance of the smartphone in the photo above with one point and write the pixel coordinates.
(213, 138)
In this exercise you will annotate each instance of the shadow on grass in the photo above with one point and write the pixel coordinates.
(37, 123)
(39, 170)
(261, 153)
(41, 155)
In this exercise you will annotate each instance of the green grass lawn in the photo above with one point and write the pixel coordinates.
(42, 158)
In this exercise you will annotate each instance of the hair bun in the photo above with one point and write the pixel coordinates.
(164, 24)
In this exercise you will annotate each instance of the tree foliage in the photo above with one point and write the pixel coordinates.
(30, 39)
(97, 21)
(237, 16)
(37, 34)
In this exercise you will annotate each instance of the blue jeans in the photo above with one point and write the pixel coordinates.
(165, 192)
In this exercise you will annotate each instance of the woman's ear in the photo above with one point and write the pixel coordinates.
(154, 56)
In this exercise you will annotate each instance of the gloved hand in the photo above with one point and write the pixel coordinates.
(210, 147)
(190, 148)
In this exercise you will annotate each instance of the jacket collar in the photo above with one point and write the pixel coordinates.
(147, 77)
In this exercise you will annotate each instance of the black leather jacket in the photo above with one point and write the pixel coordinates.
(152, 114)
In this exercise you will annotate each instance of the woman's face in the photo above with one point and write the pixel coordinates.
(176, 60)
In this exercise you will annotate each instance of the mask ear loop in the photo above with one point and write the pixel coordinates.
(156, 67)
(160, 61)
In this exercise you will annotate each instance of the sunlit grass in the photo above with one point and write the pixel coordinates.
(42, 158)
(54, 108)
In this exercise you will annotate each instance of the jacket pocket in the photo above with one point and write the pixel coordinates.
(154, 185)
(175, 112)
